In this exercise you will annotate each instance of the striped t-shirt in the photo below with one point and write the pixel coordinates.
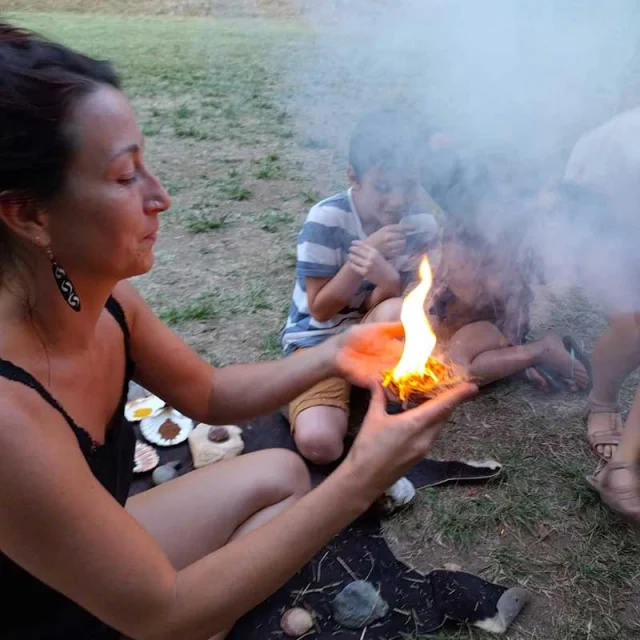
(323, 246)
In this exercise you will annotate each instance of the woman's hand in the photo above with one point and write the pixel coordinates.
(362, 353)
(387, 446)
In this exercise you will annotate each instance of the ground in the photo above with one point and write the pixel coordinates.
(206, 80)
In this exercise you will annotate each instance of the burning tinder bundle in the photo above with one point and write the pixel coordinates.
(419, 375)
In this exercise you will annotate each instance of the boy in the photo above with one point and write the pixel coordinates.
(357, 251)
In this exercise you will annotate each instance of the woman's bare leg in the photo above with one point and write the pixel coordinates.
(615, 356)
(202, 510)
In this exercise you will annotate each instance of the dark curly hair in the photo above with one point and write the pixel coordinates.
(40, 82)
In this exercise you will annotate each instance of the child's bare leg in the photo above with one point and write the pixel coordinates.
(484, 351)
(386, 311)
(319, 433)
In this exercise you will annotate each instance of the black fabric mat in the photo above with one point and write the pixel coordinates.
(418, 603)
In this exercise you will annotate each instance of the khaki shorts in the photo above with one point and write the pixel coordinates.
(332, 392)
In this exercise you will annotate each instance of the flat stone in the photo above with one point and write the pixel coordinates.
(358, 605)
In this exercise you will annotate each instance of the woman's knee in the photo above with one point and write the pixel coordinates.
(386, 311)
(283, 474)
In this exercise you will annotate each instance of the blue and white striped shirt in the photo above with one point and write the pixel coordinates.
(323, 246)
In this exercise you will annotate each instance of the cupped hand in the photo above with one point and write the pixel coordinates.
(387, 446)
(369, 263)
(365, 351)
(390, 240)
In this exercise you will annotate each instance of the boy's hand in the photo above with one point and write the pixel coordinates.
(390, 240)
(369, 263)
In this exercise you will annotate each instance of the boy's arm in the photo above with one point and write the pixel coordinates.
(327, 296)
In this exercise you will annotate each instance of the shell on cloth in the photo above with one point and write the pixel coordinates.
(141, 408)
(167, 428)
(204, 451)
(145, 457)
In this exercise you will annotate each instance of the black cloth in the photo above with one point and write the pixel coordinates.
(31, 610)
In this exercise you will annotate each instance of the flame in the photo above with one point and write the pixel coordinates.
(420, 340)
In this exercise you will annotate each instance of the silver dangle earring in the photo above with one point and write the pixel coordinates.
(64, 284)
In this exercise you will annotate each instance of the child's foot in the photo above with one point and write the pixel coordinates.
(554, 355)
(398, 496)
(532, 376)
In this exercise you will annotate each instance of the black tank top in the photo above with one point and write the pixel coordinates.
(31, 610)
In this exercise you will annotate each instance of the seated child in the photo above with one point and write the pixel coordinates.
(356, 253)
(480, 300)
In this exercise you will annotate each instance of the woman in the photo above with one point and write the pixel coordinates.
(78, 216)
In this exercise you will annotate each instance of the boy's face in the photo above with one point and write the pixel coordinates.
(383, 196)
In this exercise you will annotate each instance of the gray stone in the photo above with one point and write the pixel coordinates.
(358, 605)
(166, 472)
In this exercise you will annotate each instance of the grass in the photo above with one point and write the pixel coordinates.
(269, 168)
(231, 187)
(201, 309)
(208, 97)
(203, 223)
(273, 220)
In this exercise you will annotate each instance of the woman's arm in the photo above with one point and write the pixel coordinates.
(169, 368)
(58, 523)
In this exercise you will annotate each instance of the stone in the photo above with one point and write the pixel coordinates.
(358, 605)
(165, 472)
(204, 451)
(218, 434)
(296, 622)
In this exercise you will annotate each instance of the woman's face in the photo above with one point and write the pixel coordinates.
(105, 220)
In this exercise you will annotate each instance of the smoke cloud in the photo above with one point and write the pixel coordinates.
(518, 81)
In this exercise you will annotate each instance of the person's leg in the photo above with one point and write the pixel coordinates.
(201, 511)
(386, 311)
(319, 420)
(320, 417)
(615, 356)
(482, 349)
(618, 481)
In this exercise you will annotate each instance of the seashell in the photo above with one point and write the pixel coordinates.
(166, 428)
(165, 473)
(218, 434)
(204, 451)
(145, 457)
(296, 622)
(141, 408)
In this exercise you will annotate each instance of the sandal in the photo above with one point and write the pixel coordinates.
(607, 437)
(557, 383)
(624, 501)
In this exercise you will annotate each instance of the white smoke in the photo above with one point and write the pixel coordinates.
(515, 79)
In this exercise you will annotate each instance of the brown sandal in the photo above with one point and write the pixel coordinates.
(609, 437)
(624, 501)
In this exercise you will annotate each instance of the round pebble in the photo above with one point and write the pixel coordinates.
(296, 622)
(218, 434)
(165, 473)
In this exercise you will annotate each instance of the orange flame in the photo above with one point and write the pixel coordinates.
(420, 340)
